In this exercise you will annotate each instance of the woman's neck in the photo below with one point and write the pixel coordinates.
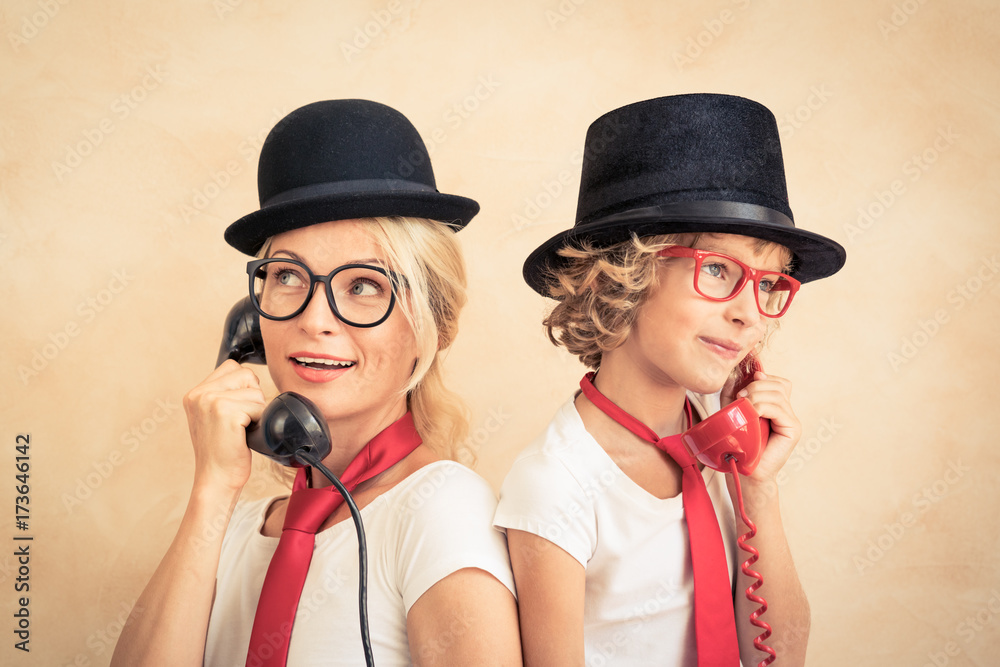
(349, 435)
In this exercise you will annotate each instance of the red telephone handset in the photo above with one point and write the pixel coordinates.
(735, 431)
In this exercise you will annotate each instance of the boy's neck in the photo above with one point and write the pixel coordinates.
(656, 403)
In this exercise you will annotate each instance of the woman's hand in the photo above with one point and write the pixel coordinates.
(218, 413)
(169, 623)
(771, 398)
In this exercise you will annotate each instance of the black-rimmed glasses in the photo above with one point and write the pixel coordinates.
(360, 295)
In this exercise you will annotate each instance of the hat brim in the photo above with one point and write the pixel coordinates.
(249, 233)
(815, 256)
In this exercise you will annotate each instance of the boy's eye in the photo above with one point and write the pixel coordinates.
(716, 270)
(774, 283)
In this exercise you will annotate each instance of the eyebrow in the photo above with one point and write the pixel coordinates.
(711, 247)
(296, 256)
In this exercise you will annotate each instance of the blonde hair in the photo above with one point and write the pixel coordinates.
(427, 254)
(600, 291)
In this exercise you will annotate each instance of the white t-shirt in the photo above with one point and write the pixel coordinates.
(639, 600)
(433, 523)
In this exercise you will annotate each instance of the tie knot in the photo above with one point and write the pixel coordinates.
(673, 445)
(309, 508)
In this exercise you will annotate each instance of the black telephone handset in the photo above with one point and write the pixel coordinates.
(734, 432)
(291, 423)
(293, 432)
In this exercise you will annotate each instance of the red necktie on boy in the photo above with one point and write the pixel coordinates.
(714, 614)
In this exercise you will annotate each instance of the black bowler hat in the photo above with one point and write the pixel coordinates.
(686, 163)
(343, 159)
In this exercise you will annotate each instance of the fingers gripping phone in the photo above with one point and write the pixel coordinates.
(291, 422)
(291, 426)
(736, 431)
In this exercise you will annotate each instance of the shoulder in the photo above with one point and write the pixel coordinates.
(248, 515)
(555, 485)
(443, 523)
(442, 487)
(564, 458)
(245, 525)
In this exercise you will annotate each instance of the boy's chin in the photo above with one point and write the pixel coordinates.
(706, 390)
(707, 385)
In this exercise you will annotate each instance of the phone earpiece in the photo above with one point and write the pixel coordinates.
(291, 422)
(746, 370)
(241, 339)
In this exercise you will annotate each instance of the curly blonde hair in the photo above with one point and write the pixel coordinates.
(601, 289)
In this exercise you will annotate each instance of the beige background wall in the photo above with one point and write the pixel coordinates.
(128, 141)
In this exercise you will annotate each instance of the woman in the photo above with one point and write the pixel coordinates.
(347, 199)
(623, 552)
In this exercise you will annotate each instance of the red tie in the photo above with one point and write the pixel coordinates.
(307, 510)
(714, 617)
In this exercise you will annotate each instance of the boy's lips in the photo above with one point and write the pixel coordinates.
(724, 348)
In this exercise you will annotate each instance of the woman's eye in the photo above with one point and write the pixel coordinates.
(766, 285)
(364, 288)
(287, 278)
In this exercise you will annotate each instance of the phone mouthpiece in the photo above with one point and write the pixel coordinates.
(290, 423)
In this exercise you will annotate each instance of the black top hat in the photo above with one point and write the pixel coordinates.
(343, 159)
(686, 163)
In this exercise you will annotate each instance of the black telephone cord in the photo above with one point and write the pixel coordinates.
(306, 458)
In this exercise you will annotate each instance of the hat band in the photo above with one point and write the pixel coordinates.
(359, 186)
(705, 209)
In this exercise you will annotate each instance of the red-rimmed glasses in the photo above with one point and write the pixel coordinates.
(720, 278)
